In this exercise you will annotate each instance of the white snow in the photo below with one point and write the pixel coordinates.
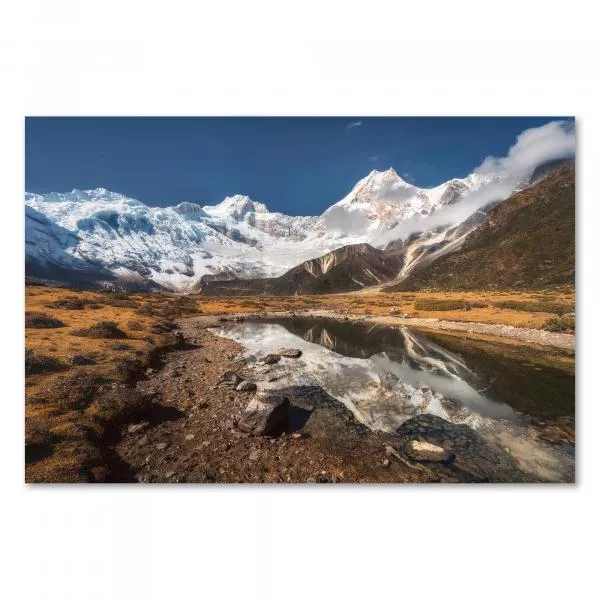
(176, 246)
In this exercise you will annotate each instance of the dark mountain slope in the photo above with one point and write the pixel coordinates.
(527, 241)
(345, 269)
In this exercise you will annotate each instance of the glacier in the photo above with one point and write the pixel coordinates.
(104, 237)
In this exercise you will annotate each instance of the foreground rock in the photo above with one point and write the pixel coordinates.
(270, 359)
(290, 352)
(482, 460)
(230, 377)
(429, 452)
(266, 414)
(246, 386)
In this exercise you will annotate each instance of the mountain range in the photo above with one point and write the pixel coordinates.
(383, 230)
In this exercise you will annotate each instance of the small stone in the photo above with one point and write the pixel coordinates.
(386, 462)
(149, 371)
(428, 452)
(161, 446)
(246, 386)
(190, 436)
(254, 455)
(296, 435)
(137, 427)
(290, 352)
(169, 474)
(271, 359)
(230, 377)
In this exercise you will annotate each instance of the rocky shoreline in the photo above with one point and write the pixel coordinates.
(214, 426)
(563, 341)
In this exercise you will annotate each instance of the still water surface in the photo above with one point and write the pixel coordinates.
(388, 375)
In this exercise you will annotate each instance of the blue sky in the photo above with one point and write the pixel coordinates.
(298, 166)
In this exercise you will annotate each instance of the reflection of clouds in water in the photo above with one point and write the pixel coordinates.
(383, 392)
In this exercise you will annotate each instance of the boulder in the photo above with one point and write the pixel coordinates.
(271, 359)
(481, 459)
(425, 451)
(290, 352)
(246, 386)
(265, 414)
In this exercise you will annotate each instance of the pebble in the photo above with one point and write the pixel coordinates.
(137, 427)
(189, 436)
(161, 446)
(246, 386)
(271, 359)
(290, 352)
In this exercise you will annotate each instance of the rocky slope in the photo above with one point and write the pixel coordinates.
(345, 269)
(525, 241)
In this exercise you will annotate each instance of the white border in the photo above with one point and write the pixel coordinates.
(309, 58)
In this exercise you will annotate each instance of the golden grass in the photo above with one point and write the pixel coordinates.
(62, 437)
(378, 303)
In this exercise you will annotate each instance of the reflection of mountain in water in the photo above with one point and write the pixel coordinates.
(539, 391)
(387, 376)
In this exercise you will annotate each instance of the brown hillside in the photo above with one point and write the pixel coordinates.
(527, 241)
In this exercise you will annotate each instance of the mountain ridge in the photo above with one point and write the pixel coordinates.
(345, 269)
(112, 239)
(525, 241)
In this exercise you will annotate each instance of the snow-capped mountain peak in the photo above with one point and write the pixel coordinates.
(378, 185)
(191, 210)
(236, 207)
(102, 235)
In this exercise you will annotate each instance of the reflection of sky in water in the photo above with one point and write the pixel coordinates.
(383, 392)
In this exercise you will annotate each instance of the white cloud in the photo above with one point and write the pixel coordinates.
(373, 158)
(532, 148)
(353, 124)
(450, 215)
